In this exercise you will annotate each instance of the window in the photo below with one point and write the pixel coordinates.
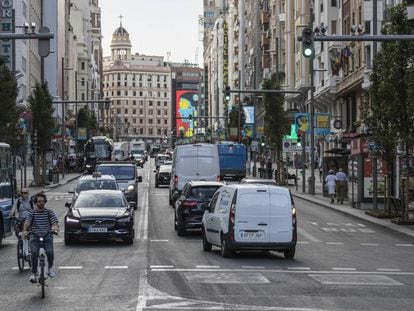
(118, 102)
(83, 81)
(150, 103)
(83, 65)
(158, 94)
(165, 104)
(158, 121)
(141, 131)
(125, 83)
(333, 27)
(158, 103)
(134, 102)
(165, 121)
(126, 93)
(149, 121)
(118, 93)
(158, 112)
(134, 120)
(159, 132)
(367, 27)
(333, 3)
(118, 110)
(165, 94)
(150, 131)
(134, 111)
(134, 93)
(141, 111)
(166, 112)
(140, 93)
(149, 78)
(141, 121)
(150, 112)
(126, 111)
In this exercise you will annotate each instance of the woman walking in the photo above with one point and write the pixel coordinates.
(331, 184)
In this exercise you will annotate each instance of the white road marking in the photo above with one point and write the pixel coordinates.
(334, 243)
(364, 280)
(298, 268)
(330, 229)
(344, 269)
(116, 267)
(145, 215)
(159, 240)
(404, 245)
(252, 267)
(160, 266)
(302, 242)
(17, 268)
(207, 267)
(70, 267)
(226, 278)
(388, 270)
(369, 244)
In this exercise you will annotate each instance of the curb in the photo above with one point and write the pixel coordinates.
(376, 221)
(54, 186)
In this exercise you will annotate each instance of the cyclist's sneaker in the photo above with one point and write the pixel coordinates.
(33, 278)
(51, 273)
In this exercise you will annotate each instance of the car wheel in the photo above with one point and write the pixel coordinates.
(207, 246)
(181, 230)
(225, 250)
(289, 253)
(175, 222)
(130, 240)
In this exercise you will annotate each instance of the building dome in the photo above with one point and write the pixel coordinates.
(120, 31)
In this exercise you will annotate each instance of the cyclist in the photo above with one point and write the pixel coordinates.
(41, 221)
(20, 210)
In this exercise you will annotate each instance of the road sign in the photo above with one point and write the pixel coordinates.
(254, 146)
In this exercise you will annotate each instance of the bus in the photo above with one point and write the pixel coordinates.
(97, 148)
(6, 190)
(232, 160)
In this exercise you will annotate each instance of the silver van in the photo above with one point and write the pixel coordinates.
(193, 162)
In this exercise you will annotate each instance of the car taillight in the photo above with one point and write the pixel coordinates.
(294, 236)
(232, 221)
(218, 178)
(175, 180)
(189, 204)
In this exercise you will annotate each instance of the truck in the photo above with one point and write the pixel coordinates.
(6, 190)
(232, 160)
(121, 151)
(154, 150)
(138, 147)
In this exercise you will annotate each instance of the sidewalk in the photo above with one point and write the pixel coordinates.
(29, 179)
(346, 208)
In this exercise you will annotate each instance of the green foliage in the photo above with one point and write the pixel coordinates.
(276, 120)
(390, 117)
(234, 117)
(41, 106)
(9, 114)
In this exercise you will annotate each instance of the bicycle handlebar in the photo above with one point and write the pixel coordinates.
(36, 235)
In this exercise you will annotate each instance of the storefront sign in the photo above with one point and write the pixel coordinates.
(6, 24)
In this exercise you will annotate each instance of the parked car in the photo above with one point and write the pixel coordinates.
(191, 204)
(99, 214)
(250, 217)
(126, 176)
(262, 181)
(96, 181)
(163, 175)
(193, 162)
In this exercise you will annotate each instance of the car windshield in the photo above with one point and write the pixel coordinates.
(97, 184)
(120, 172)
(100, 201)
(203, 193)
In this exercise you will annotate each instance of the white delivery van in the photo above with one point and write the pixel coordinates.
(120, 151)
(250, 217)
(193, 162)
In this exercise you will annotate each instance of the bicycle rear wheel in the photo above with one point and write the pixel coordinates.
(42, 277)
(20, 255)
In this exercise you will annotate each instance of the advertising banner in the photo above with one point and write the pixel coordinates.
(6, 24)
(186, 112)
(322, 124)
(82, 133)
(368, 180)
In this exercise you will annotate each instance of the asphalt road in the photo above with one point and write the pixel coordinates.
(341, 263)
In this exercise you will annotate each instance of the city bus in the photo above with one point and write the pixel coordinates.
(97, 148)
(6, 190)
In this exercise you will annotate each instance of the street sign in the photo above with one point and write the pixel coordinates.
(254, 146)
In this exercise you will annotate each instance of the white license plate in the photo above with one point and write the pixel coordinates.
(97, 229)
(251, 235)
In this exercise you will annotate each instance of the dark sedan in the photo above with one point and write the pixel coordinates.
(99, 214)
(163, 175)
(191, 204)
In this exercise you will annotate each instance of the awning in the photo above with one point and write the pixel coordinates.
(340, 151)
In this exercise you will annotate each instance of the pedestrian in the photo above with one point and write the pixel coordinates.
(320, 174)
(269, 167)
(19, 162)
(331, 184)
(341, 183)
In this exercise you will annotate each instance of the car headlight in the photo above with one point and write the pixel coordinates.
(124, 219)
(88, 165)
(72, 220)
(131, 188)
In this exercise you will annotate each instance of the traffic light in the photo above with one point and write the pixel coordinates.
(263, 141)
(227, 93)
(308, 49)
(299, 140)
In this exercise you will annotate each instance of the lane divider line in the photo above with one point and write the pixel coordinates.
(70, 267)
(387, 269)
(116, 267)
(334, 243)
(344, 269)
(252, 267)
(404, 245)
(207, 267)
(298, 268)
(369, 244)
(160, 266)
(159, 240)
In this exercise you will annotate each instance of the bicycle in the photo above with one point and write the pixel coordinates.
(42, 259)
(23, 254)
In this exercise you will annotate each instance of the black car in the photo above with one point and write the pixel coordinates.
(163, 175)
(191, 204)
(99, 214)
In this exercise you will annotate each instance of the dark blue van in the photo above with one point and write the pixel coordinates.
(232, 160)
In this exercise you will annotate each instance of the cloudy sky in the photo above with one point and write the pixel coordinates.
(156, 27)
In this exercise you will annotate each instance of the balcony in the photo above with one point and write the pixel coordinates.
(265, 18)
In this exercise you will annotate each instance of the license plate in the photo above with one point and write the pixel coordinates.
(93, 229)
(251, 235)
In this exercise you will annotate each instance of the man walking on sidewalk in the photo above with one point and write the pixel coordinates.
(342, 182)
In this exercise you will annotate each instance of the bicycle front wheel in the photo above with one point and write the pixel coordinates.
(20, 255)
(42, 277)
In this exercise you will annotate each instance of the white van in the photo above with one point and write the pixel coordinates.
(250, 217)
(193, 162)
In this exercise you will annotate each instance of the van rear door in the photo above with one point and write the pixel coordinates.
(280, 217)
(252, 216)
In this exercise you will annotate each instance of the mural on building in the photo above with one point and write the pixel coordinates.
(186, 112)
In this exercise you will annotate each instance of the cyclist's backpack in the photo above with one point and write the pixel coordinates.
(19, 202)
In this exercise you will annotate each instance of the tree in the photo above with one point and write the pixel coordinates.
(276, 119)
(234, 118)
(41, 106)
(9, 113)
(389, 115)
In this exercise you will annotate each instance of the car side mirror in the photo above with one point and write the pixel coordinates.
(139, 179)
(68, 205)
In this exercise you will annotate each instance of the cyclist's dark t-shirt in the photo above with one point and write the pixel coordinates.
(41, 222)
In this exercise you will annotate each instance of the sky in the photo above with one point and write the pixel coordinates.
(156, 27)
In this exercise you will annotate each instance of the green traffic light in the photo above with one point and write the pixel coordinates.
(308, 52)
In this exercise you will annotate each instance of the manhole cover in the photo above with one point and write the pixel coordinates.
(353, 279)
(225, 278)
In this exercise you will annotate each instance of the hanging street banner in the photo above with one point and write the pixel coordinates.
(322, 123)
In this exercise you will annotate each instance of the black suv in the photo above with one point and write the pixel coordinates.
(126, 176)
(163, 175)
(191, 204)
